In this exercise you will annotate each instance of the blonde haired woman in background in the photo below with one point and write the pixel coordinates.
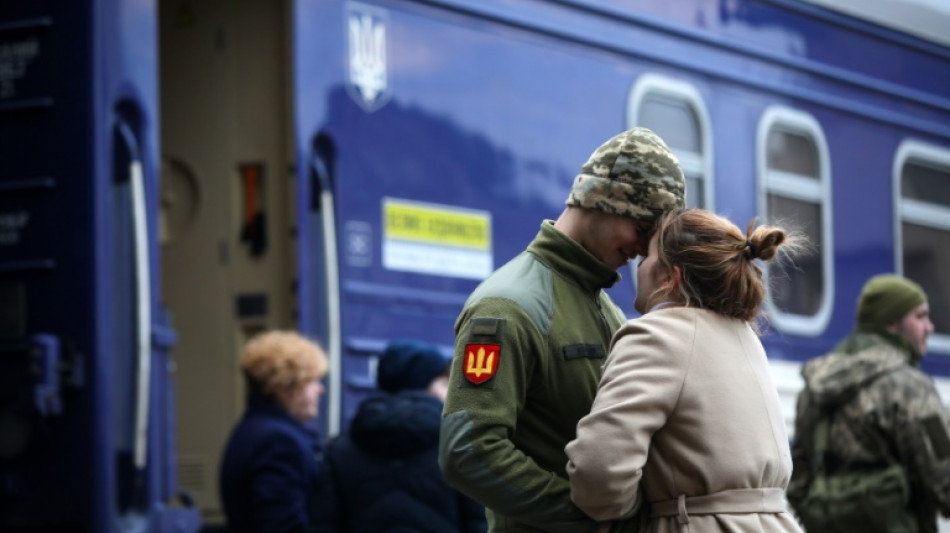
(268, 477)
(687, 420)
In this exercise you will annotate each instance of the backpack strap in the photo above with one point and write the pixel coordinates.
(822, 428)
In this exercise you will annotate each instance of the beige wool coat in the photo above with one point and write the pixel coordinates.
(687, 423)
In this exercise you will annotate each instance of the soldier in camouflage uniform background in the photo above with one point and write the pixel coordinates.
(884, 407)
(532, 338)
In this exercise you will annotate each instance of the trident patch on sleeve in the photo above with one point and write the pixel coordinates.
(481, 362)
(482, 352)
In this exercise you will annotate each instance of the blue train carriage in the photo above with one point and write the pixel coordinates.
(355, 168)
(87, 441)
(860, 158)
(481, 113)
(430, 139)
(443, 123)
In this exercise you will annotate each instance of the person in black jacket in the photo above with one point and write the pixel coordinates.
(269, 468)
(383, 474)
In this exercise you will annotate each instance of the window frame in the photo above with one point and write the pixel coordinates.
(919, 212)
(796, 187)
(651, 83)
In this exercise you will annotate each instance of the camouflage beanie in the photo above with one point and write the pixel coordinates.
(634, 175)
(885, 299)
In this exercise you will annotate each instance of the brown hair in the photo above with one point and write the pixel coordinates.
(715, 259)
(276, 360)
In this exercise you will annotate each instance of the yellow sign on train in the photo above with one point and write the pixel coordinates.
(437, 224)
(437, 240)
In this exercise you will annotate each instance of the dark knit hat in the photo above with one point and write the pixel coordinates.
(885, 299)
(409, 364)
(634, 174)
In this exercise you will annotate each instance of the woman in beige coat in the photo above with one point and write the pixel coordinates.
(687, 423)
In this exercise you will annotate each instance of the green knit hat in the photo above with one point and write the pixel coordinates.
(885, 299)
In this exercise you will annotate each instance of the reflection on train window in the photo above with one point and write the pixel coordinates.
(922, 182)
(673, 119)
(676, 112)
(924, 253)
(923, 229)
(797, 288)
(792, 152)
(795, 191)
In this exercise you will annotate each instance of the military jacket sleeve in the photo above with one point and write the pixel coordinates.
(917, 418)
(478, 452)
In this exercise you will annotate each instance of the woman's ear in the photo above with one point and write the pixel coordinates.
(675, 277)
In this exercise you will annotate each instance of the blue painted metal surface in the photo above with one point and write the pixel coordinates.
(486, 105)
(78, 108)
(494, 106)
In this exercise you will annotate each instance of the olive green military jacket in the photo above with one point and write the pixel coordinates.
(530, 345)
(884, 409)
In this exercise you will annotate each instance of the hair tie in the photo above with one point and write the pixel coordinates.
(750, 247)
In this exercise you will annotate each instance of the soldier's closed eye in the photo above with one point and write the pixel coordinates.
(646, 229)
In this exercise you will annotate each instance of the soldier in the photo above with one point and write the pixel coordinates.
(532, 339)
(882, 410)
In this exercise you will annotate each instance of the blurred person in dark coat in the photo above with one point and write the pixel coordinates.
(383, 474)
(268, 476)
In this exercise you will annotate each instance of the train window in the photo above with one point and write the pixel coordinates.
(676, 112)
(924, 251)
(795, 191)
(922, 229)
(922, 182)
(801, 290)
(792, 152)
(673, 120)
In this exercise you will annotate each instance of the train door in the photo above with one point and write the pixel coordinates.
(227, 198)
(85, 403)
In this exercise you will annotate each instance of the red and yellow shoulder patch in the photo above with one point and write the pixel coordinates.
(481, 362)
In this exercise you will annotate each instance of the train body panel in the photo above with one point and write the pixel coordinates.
(177, 176)
(87, 386)
(511, 133)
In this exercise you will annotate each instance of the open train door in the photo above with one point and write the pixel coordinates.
(228, 225)
(86, 414)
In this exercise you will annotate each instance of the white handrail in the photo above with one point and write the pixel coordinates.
(143, 312)
(335, 394)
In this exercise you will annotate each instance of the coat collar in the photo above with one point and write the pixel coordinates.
(264, 407)
(568, 258)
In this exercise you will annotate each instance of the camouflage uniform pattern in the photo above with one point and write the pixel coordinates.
(885, 409)
(634, 174)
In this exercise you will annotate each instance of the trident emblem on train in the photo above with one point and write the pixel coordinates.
(368, 73)
(481, 362)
